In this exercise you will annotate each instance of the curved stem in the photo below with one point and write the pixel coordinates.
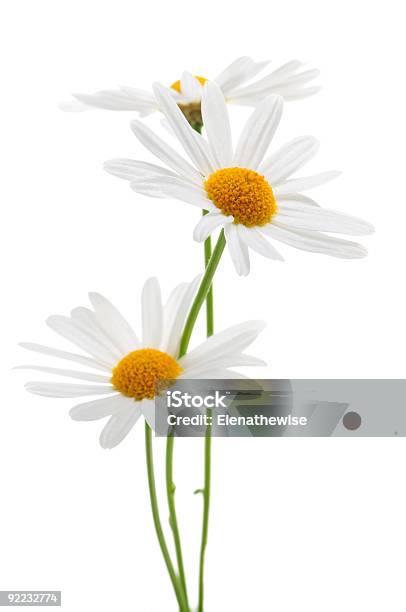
(157, 521)
(170, 491)
(201, 295)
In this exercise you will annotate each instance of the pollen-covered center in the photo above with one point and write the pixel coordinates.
(242, 193)
(141, 373)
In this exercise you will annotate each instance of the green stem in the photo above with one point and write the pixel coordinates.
(209, 298)
(206, 508)
(157, 521)
(201, 295)
(207, 441)
(170, 491)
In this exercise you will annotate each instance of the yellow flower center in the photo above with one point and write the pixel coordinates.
(177, 87)
(242, 193)
(142, 373)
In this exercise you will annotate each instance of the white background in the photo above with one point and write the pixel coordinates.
(296, 524)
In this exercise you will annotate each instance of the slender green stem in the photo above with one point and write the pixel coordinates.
(170, 491)
(206, 508)
(207, 441)
(209, 298)
(201, 295)
(157, 521)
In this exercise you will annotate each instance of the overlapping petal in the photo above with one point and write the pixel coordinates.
(236, 83)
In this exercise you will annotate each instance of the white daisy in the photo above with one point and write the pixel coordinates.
(131, 368)
(252, 198)
(289, 81)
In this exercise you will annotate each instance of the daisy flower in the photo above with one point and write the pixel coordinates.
(248, 194)
(235, 81)
(131, 369)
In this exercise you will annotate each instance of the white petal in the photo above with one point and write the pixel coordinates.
(208, 223)
(69, 373)
(170, 311)
(87, 321)
(191, 141)
(258, 132)
(49, 389)
(69, 329)
(84, 319)
(177, 188)
(190, 87)
(225, 374)
(256, 241)
(289, 158)
(285, 70)
(46, 350)
(217, 124)
(141, 95)
(118, 427)
(152, 313)
(149, 189)
(148, 410)
(296, 201)
(272, 83)
(218, 374)
(232, 340)
(308, 182)
(237, 72)
(298, 93)
(238, 250)
(250, 101)
(315, 242)
(302, 78)
(228, 361)
(119, 100)
(101, 408)
(164, 152)
(279, 75)
(177, 318)
(114, 323)
(130, 169)
(247, 361)
(170, 91)
(324, 220)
